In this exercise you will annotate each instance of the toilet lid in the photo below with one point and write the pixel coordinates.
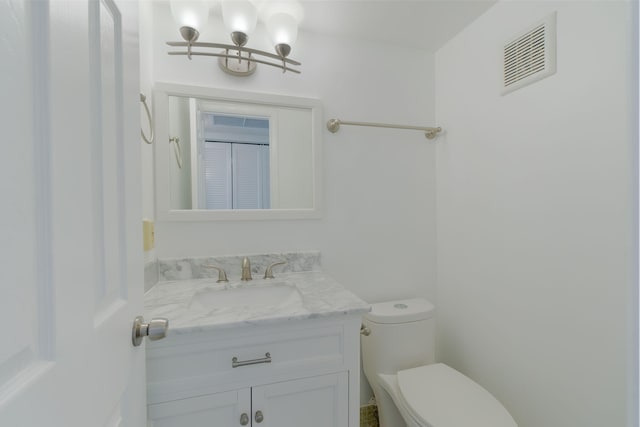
(439, 396)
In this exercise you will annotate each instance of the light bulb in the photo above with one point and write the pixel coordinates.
(282, 28)
(239, 15)
(190, 13)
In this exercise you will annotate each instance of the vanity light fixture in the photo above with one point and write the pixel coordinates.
(240, 18)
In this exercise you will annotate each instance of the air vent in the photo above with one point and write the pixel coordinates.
(531, 56)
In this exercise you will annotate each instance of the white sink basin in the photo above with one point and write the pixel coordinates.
(247, 297)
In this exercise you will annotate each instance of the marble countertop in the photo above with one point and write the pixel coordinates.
(319, 296)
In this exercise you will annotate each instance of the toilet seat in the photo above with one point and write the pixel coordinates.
(439, 396)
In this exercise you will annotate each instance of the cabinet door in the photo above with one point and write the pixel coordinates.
(320, 401)
(214, 410)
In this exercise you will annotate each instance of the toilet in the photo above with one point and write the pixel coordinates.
(410, 388)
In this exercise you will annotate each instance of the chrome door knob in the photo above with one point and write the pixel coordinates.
(156, 329)
(259, 417)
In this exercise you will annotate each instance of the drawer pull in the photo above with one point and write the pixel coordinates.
(235, 363)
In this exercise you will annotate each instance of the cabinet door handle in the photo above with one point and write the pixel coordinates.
(259, 417)
(235, 363)
(244, 419)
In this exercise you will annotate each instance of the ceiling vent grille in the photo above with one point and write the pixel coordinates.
(530, 57)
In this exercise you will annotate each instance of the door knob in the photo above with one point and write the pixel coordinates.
(156, 329)
(259, 417)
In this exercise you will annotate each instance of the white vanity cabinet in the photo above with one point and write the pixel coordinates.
(291, 373)
(319, 401)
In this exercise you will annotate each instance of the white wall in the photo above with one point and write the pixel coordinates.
(377, 236)
(535, 198)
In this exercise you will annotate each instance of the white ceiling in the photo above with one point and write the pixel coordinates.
(423, 24)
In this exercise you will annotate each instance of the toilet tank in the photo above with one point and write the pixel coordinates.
(402, 336)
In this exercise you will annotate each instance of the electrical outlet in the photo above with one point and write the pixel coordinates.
(148, 235)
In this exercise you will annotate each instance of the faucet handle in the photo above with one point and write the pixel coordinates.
(222, 276)
(246, 269)
(268, 273)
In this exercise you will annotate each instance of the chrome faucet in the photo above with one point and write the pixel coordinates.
(268, 273)
(246, 269)
(222, 276)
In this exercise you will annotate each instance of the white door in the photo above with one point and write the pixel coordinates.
(71, 277)
(250, 177)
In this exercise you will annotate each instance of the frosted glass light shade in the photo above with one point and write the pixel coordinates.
(239, 15)
(190, 13)
(282, 28)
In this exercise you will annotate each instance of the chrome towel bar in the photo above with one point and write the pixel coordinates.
(430, 132)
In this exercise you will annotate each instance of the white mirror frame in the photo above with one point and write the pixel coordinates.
(162, 91)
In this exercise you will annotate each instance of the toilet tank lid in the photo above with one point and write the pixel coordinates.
(401, 311)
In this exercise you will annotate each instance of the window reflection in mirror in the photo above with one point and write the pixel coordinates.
(233, 162)
(239, 155)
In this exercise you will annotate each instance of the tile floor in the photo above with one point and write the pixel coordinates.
(369, 416)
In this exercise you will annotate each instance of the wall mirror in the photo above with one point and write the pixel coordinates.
(222, 154)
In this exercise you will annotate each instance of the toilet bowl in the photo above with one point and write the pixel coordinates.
(412, 390)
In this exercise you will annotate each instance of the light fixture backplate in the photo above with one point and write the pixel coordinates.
(241, 66)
